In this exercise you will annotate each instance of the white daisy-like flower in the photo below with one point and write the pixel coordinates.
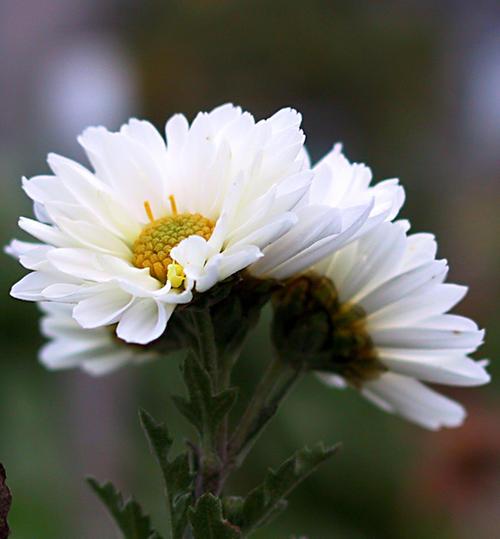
(392, 304)
(155, 221)
(96, 351)
(340, 207)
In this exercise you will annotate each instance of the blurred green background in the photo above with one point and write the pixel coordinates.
(410, 87)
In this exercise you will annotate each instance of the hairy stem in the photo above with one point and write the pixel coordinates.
(207, 350)
(275, 385)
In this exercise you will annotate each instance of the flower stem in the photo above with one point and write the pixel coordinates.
(210, 458)
(275, 385)
(207, 350)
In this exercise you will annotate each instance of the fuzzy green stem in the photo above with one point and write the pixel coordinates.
(275, 385)
(207, 350)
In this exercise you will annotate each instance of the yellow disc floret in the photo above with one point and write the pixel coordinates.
(152, 248)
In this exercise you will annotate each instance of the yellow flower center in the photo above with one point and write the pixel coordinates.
(152, 248)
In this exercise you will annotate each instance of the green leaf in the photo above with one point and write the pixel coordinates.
(127, 514)
(208, 522)
(268, 499)
(205, 409)
(177, 475)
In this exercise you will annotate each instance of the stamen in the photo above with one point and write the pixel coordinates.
(149, 212)
(173, 205)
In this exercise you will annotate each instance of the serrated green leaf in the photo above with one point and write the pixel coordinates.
(127, 514)
(208, 522)
(158, 437)
(177, 475)
(205, 409)
(189, 411)
(268, 500)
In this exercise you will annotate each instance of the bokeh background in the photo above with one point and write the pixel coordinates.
(410, 87)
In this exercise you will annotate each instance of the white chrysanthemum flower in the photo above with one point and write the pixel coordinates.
(96, 351)
(157, 221)
(393, 287)
(340, 207)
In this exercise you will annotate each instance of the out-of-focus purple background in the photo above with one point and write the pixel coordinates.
(410, 87)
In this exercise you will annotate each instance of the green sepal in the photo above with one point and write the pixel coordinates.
(177, 474)
(208, 522)
(268, 499)
(314, 329)
(127, 514)
(205, 409)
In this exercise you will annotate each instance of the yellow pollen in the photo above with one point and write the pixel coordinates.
(153, 246)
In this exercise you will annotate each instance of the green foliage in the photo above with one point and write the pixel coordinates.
(268, 499)
(127, 514)
(205, 409)
(194, 479)
(177, 474)
(208, 521)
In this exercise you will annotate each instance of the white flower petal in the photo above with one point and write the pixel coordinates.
(45, 233)
(315, 223)
(427, 338)
(414, 308)
(17, 248)
(144, 321)
(415, 401)
(31, 286)
(96, 351)
(103, 309)
(236, 259)
(62, 354)
(36, 259)
(176, 132)
(41, 213)
(268, 233)
(94, 237)
(79, 263)
(94, 195)
(404, 284)
(191, 254)
(126, 166)
(221, 266)
(457, 370)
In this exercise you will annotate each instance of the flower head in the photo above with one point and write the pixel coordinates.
(382, 304)
(156, 221)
